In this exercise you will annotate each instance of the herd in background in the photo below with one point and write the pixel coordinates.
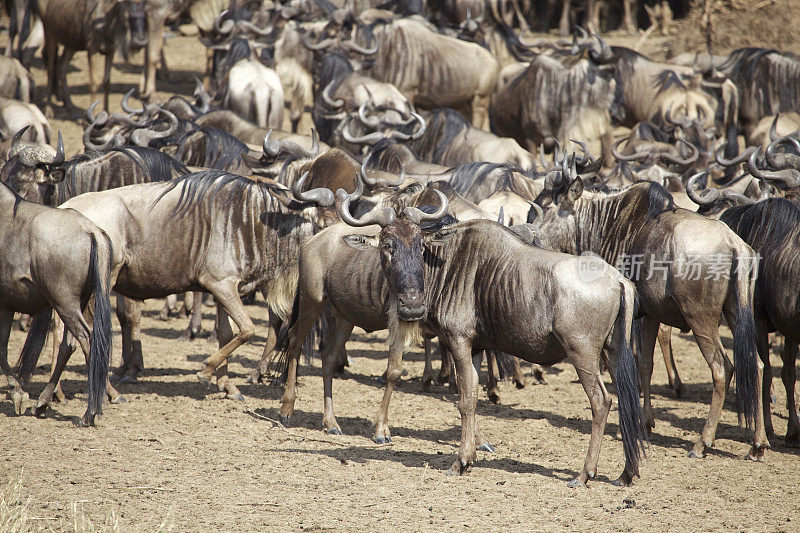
(454, 174)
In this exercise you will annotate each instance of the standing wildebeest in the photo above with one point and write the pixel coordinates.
(54, 259)
(228, 235)
(430, 69)
(681, 280)
(456, 282)
(560, 98)
(89, 172)
(97, 27)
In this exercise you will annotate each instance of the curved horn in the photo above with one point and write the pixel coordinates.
(422, 126)
(320, 196)
(321, 45)
(143, 137)
(773, 128)
(99, 119)
(18, 136)
(402, 174)
(784, 160)
(225, 28)
(741, 158)
(370, 138)
(586, 156)
(314, 142)
(271, 148)
(636, 156)
(60, 157)
(764, 187)
(790, 177)
(417, 215)
(372, 122)
(695, 153)
(383, 216)
(329, 101)
(539, 220)
(126, 107)
(246, 25)
(89, 145)
(372, 182)
(709, 196)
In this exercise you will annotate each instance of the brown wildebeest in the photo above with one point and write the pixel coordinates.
(640, 229)
(455, 282)
(54, 259)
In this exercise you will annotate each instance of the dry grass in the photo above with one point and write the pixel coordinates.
(16, 516)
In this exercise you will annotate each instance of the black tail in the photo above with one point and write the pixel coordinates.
(100, 343)
(631, 419)
(745, 354)
(34, 343)
(278, 364)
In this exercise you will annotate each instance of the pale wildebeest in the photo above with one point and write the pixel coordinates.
(640, 230)
(61, 180)
(430, 69)
(770, 128)
(230, 236)
(97, 27)
(557, 98)
(249, 87)
(16, 115)
(54, 259)
(458, 293)
(15, 80)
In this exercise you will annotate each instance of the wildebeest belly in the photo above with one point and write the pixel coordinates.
(542, 350)
(22, 296)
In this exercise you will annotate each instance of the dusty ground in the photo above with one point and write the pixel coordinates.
(180, 452)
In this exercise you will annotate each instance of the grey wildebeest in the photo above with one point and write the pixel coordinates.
(454, 282)
(15, 80)
(54, 259)
(16, 115)
(59, 181)
(430, 69)
(97, 27)
(639, 229)
(229, 235)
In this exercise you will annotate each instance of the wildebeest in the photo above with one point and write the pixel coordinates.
(640, 230)
(16, 115)
(560, 98)
(229, 235)
(97, 27)
(455, 282)
(15, 80)
(54, 259)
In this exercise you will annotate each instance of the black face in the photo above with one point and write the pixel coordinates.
(401, 248)
(137, 21)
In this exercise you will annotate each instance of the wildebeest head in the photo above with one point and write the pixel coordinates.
(401, 244)
(32, 170)
(137, 23)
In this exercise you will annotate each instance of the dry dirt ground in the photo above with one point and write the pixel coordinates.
(179, 452)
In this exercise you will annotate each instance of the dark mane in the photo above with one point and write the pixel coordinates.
(667, 78)
(742, 62)
(626, 59)
(334, 68)
(444, 126)
(224, 188)
(239, 49)
(769, 222)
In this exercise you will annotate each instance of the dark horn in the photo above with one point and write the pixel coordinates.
(416, 215)
(329, 101)
(126, 107)
(18, 136)
(59, 159)
(708, 196)
(320, 196)
(383, 216)
(636, 156)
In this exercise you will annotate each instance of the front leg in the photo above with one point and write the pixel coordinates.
(789, 377)
(394, 369)
(461, 352)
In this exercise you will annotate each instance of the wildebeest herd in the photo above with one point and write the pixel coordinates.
(460, 184)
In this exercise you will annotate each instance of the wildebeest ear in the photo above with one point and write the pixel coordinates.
(441, 236)
(361, 242)
(574, 192)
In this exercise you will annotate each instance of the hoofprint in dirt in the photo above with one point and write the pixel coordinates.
(180, 450)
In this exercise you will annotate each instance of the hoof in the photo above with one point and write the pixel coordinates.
(695, 454)
(494, 398)
(335, 431)
(285, 420)
(458, 468)
(792, 441)
(486, 447)
(185, 336)
(680, 392)
(163, 316)
(85, 421)
(380, 439)
(118, 399)
(202, 378)
(127, 379)
(575, 483)
(40, 411)
(235, 396)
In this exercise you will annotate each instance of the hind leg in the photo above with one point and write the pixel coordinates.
(493, 373)
(427, 374)
(224, 336)
(649, 333)
(262, 369)
(18, 396)
(129, 314)
(195, 327)
(789, 378)
(338, 337)
(763, 347)
(665, 343)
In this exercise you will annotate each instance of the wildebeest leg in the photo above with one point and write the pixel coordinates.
(224, 336)
(461, 352)
(64, 352)
(493, 372)
(538, 374)
(665, 343)
(228, 299)
(563, 23)
(427, 374)
(55, 327)
(519, 376)
(92, 83)
(649, 334)
(330, 358)
(627, 17)
(310, 309)
(262, 369)
(50, 56)
(152, 51)
(588, 368)
(195, 327)
(789, 377)
(129, 314)
(63, 65)
(480, 112)
(707, 337)
(593, 16)
(394, 370)
(444, 370)
(18, 396)
(763, 347)
(170, 305)
(107, 64)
